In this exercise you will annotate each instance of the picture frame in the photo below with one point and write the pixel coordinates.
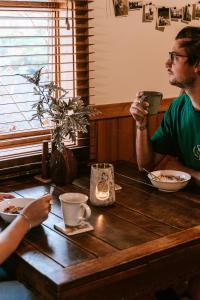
(196, 11)
(176, 13)
(163, 17)
(135, 5)
(120, 7)
(187, 13)
(148, 12)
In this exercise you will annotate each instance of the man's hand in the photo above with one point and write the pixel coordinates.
(138, 110)
(172, 163)
(197, 178)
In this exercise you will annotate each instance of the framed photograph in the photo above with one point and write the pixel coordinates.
(133, 5)
(163, 17)
(187, 13)
(196, 11)
(120, 7)
(176, 13)
(148, 13)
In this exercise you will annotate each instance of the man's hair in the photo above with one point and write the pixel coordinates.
(192, 45)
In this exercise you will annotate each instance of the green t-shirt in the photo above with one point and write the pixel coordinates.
(179, 133)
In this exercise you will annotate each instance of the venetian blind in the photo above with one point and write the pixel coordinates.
(34, 34)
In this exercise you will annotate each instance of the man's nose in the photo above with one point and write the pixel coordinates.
(168, 63)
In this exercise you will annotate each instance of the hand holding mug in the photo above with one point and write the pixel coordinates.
(139, 110)
(146, 102)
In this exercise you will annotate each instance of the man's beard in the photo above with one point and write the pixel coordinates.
(184, 84)
(178, 84)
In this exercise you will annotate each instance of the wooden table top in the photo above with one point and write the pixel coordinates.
(139, 237)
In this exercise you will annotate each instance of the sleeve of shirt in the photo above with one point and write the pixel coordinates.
(163, 140)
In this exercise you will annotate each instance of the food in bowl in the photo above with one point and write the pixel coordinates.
(169, 180)
(10, 208)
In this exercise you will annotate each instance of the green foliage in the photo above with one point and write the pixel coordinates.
(68, 115)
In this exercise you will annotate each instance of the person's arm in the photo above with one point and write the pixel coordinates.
(32, 215)
(146, 157)
(12, 236)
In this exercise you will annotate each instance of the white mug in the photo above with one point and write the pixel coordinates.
(74, 208)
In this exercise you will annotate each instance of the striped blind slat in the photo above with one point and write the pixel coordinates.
(34, 34)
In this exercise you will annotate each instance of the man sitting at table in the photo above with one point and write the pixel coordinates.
(32, 215)
(178, 136)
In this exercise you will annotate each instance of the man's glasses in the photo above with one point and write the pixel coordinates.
(173, 56)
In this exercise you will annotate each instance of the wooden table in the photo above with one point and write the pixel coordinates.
(148, 240)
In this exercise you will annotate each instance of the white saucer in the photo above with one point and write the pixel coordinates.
(83, 227)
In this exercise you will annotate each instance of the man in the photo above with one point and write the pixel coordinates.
(32, 215)
(178, 136)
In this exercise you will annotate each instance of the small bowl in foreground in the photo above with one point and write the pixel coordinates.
(169, 180)
(17, 202)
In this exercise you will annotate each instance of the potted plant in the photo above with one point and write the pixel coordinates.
(68, 116)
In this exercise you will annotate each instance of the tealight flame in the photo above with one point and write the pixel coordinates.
(101, 195)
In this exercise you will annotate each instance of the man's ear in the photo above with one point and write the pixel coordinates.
(197, 67)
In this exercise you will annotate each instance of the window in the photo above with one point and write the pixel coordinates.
(35, 34)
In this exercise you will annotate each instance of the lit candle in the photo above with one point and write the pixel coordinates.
(102, 195)
(102, 191)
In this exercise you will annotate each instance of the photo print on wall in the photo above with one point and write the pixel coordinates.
(163, 17)
(148, 12)
(187, 13)
(120, 7)
(135, 5)
(176, 13)
(197, 11)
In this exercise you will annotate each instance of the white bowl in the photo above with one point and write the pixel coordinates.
(18, 202)
(169, 185)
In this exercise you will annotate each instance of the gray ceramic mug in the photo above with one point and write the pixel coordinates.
(154, 99)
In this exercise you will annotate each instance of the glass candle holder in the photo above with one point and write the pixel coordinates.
(102, 187)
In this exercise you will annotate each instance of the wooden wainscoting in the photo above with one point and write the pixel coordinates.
(112, 133)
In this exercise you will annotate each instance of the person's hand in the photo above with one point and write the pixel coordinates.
(138, 110)
(38, 210)
(6, 196)
(197, 178)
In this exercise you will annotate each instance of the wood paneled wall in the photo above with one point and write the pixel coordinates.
(112, 133)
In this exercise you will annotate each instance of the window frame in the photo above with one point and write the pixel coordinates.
(80, 41)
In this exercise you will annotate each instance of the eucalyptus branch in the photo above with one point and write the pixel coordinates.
(68, 115)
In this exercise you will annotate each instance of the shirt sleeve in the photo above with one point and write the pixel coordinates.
(163, 139)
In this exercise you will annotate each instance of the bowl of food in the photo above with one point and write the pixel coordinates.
(169, 180)
(10, 208)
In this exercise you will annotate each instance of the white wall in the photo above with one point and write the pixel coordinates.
(130, 55)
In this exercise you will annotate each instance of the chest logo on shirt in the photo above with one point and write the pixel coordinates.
(196, 152)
